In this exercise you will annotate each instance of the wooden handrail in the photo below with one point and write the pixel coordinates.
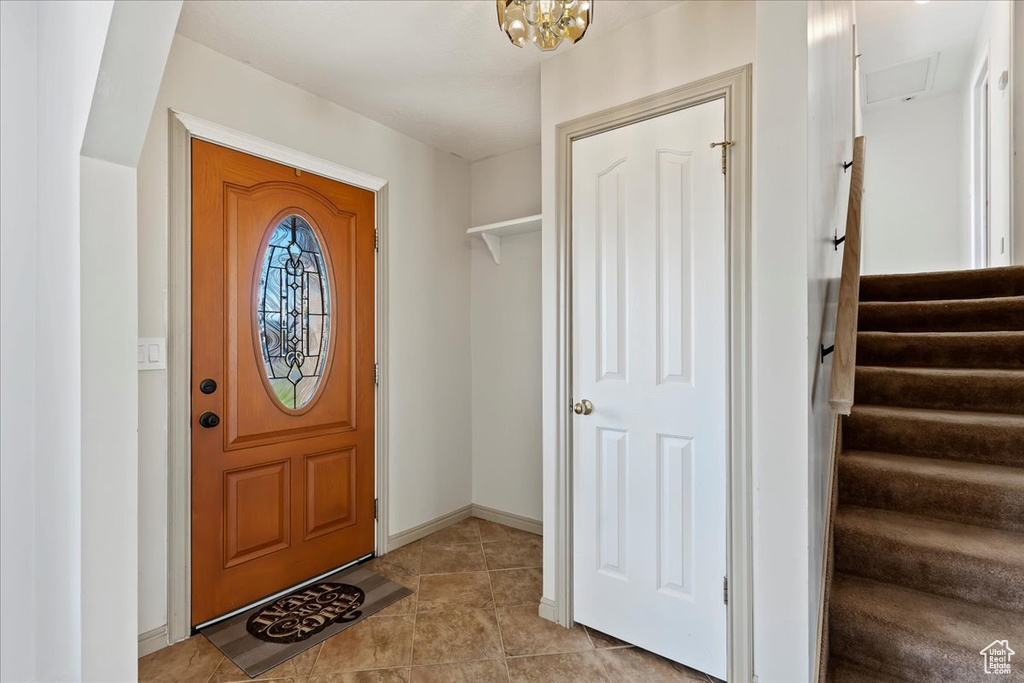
(844, 362)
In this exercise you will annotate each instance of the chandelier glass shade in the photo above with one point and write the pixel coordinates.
(545, 23)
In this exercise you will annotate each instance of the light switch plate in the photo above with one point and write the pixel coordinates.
(152, 353)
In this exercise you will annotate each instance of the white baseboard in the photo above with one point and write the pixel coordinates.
(483, 512)
(423, 530)
(534, 526)
(547, 610)
(152, 640)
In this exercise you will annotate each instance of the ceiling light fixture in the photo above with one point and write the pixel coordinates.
(545, 23)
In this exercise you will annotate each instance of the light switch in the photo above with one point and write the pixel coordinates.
(152, 354)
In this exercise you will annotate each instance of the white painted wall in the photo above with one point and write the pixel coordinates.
(1017, 76)
(506, 338)
(830, 130)
(994, 40)
(68, 457)
(780, 341)
(18, 258)
(429, 212)
(916, 198)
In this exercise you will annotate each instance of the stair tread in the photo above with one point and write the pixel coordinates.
(959, 416)
(842, 671)
(1003, 476)
(1010, 373)
(937, 619)
(985, 543)
(985, 282)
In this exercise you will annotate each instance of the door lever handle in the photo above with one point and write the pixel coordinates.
(584, 407)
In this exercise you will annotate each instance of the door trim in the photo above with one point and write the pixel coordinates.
(735, 88)
(183, 129)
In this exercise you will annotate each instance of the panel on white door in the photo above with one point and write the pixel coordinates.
(649, 297)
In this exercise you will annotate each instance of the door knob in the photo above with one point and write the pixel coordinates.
(209, 420)
(584, 407)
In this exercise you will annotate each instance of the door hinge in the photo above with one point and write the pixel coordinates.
(375, 508)
(725, 144)
(725, 589)
(376, 374)
(376, 239)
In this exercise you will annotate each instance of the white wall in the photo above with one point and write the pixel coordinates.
(780, 340)
(18, 259)
(1017, 76)
(916, 197)
(55, 601)
(506, 338)
(429, 211)
(830, 129)
(994, 41)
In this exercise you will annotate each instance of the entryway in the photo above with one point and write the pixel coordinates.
(282, 378)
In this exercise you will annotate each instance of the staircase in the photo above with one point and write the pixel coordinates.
(928, 533)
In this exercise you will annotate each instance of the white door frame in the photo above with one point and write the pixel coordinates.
(981, 163)
(735, 88)
(185, 128)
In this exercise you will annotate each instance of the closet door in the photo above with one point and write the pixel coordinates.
(649, 380)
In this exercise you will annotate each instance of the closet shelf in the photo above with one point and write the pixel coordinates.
(492, 233)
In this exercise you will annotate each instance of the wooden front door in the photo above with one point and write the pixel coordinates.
(282, 377)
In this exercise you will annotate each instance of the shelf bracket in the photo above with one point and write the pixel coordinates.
(493, 243)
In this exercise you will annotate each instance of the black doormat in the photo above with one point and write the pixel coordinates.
(261, 638)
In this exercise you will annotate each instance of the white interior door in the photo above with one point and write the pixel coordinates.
(649, 352)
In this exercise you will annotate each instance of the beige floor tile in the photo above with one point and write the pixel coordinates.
(406, 559)
(443, 637)
(465, 531)
(299, 666)
(575, 667)
(489, 671)
(491, 532)
(514, 554)
(602, 640)
(454, 592)
(381, 643)
(190, 660)
(375, 676)
(517, 586)
(525, 633)
(634, 664)
(447, 559)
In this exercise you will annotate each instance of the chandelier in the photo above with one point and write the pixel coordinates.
(544, 22)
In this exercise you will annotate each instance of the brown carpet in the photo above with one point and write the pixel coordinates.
(928, 534)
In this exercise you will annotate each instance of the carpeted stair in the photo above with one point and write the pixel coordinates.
(928, 534)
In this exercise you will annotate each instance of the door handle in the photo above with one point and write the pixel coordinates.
(584, 407)
(209, 420)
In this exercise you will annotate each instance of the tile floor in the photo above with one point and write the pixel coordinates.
(472, 619)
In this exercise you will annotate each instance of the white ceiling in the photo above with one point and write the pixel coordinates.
(892, 32)
(441, 72)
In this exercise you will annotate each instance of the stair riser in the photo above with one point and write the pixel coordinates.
(983, 581)
(974, 284)
(994, 505)
(976, 393)
(985, 315)
(901, 653)
(908, 435)
(934, 351)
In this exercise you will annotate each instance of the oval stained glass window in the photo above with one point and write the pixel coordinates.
(294, 312)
